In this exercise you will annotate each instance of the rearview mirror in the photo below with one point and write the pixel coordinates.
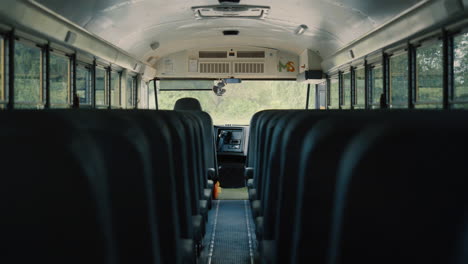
(232, 80)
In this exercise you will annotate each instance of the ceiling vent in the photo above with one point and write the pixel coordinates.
(249, 67)
(250, 54)
(214, 67)
(212, 54)
(231, 10)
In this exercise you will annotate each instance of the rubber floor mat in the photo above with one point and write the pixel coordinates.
(230, 237)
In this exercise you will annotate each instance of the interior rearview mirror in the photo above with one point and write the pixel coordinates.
(232, 80)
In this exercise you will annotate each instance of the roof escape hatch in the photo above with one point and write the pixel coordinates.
(230, 10)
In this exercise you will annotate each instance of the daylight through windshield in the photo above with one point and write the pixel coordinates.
(240, 101)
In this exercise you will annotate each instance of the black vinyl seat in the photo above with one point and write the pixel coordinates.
(269, 171)
(313, 194)
(330, 187)
(183, 170)
(299, 195)
(199, 157)
(394, 205)
(210, 166)
(155, 123)
(136, 202)
(251, 151)
(271, 121)
(55, 204)
(173, 208)
(256, 192)
(281, 180)
(133, 199)
(192, 146)
(211, 163)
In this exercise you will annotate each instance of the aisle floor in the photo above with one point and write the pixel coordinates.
(230, 237)
(234, 194)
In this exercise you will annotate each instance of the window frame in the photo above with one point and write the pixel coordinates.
(403, 53)
(347, 106)
(41, 104)
(356, 105)
(89, 68)
(151, 87)
(119, 73)
(318, 104)
(106, 86)
(418, 103)
(331, 79)
(142, 101)
(453, 102)
(70, 77)
(371, 81)
(133, 91)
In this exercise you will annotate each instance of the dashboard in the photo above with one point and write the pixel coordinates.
(232, 141)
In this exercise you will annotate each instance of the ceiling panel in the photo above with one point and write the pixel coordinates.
(134, 24)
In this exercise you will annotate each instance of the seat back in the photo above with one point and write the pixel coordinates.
(393, 204)
(134, 201)
(54, 198)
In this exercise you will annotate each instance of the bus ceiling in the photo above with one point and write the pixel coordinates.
(146, 33)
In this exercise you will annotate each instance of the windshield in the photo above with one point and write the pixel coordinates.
(240, 101)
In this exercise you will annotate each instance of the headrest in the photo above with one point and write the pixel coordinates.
(187, 104)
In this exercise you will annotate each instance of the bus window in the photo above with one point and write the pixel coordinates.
(101, 87)
(461, 71)
(59, 77)
(360, 93)
(240, 101)
(28, 79)
(143, 96)
(151, 96)
(320, 96)
(346, 104)
(376, 86)
(429, 91)
(313, 96)
(334, 93)
(2, 79)
(130, 92)
(115, 89)
(83, 84)
(399, 81)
